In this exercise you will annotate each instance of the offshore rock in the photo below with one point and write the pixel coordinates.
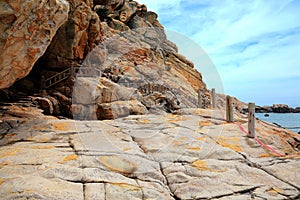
(27, 29)
(281, 108)
(276, 108)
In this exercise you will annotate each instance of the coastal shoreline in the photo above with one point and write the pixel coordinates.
(275, 108)
(289, 121)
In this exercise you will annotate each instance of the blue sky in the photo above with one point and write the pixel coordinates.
(253, 44)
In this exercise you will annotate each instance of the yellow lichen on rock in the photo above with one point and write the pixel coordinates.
(41, 127)
(274, 191)
(201, 138)
(205, 123)
(266, 155)
(176, 142)
(230, 143)
(118, 164)
(194, 148)
(43, 147)
(143, 121)
(127, 186)
(8, 152)
(69, 158)
(201, 165)
(61, 126)
(183, 138)
(176, 118)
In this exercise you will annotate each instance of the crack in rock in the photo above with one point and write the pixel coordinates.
(257, 166)
(167, 182)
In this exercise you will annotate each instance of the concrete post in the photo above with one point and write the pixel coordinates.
(251, 120)
(199, 99)
(213, 98)
(229, 109)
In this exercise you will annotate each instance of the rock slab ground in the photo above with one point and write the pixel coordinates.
(193, 154)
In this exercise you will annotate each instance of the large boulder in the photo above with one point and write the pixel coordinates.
(26, 30)
(48, 104)
(89, 91)
(109, 100)
(120, 109)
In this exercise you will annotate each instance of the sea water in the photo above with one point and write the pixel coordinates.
(290, 121)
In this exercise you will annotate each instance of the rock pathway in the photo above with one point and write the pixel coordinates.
(194, 154)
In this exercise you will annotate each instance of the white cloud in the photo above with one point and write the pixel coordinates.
(255, 44)
(235, 22)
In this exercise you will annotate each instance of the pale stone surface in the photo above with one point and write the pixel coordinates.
(27, 28)
(94, 191)
(191, 156)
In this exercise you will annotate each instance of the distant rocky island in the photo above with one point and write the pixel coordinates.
(277, 108)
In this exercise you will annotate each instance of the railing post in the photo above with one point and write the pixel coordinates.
(251, 120)
(213, 98)
(199, 99)
(229, 109)
(73, 72)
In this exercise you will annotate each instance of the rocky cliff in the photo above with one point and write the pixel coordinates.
(115, 53)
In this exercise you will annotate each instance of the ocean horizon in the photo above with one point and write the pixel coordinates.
(290, 121)
(290, 105)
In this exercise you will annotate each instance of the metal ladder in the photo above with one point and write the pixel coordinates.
(55, 79)
(81, 72)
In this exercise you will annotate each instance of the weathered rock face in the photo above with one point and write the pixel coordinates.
(158, 79)
(133, 59)
(75, 39)
(27, 29)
